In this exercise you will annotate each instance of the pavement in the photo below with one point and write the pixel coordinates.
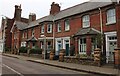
(72, 66)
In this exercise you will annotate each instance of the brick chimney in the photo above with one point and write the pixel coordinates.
(55, 8)
(17, 14)
(32, 17)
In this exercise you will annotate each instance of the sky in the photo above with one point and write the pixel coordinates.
(40, 7)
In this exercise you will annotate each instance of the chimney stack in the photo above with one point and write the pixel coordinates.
(17, 14)
(32, 17)
(55, 8)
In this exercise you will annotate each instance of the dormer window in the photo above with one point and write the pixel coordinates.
(86, 21)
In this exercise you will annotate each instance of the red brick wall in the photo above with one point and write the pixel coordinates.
(118, 25)
(8, 34)
(76, 23)
(18, 38)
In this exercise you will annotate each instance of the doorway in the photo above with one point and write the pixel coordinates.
(67, 47)
(112, 44)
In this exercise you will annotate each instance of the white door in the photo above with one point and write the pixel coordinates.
(59, 46)
(112, 46)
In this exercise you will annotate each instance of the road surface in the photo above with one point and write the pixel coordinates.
(12, 66)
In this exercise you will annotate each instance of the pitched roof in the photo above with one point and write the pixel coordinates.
(87, 31)
(20, 25)
(80, 8)
(46, 18)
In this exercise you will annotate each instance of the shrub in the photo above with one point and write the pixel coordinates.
(23, 50)
(36, 50)
(7, 49)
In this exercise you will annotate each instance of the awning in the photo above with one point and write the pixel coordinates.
(87, 31)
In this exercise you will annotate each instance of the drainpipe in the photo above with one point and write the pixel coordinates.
(101, 28)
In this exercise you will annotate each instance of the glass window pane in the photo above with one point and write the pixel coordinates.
(86, 21)
(111, 17)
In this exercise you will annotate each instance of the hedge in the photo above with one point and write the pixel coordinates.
(23, 50)
(36, 50)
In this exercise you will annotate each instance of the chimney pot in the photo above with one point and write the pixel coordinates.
(55, 8)
(32, 17)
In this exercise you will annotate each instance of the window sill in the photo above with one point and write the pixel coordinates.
(110, 23)
(58, 32)
(67, 30)
(42, 33)
(49, 32)
(86, 27)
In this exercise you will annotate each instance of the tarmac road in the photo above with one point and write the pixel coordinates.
(17, 67)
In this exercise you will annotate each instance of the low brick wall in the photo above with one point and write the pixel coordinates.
(23, 54)
(32, 55)
(36, 55)
(74, 59)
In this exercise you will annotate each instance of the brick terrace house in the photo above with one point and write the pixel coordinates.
(6, 26)
(80, 25)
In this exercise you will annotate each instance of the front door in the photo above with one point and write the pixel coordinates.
(59, 46)
(67, 49)
(112, 46)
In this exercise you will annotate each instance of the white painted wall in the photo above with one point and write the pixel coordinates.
(1, 46)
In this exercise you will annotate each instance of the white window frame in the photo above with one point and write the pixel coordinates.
(26, 34)
(58, 27)
(111, 16)
(15, 35)
(42, 29)
(23, 34)
(94, 45)
(49, 28)
(33, 32)
(107, 35)
(84, 47)
(86, 21)
(23, 44)
(67, 25)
